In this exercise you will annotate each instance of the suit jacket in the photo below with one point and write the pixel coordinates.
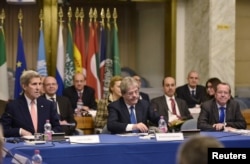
(183, 92)
(119, 116)
(160, 104)
(209, 115)
(88, 96)
(66, 113)
(145, 96)
(17, 116)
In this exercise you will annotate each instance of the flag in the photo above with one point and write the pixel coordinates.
(108, 62)
(41, 60)
(20, 65)
(69, 61)
(60, 61)
(77, 54)
(102, 53)
(82, 46)
(116, 53)
(92, 76)
(4, 87)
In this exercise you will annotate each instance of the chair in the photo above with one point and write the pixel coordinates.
(189, 124)
(246, 115)
(105, 130)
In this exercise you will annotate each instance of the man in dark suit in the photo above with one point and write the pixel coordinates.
(222, 112)
(173, 109)
(28, 114)
(129, 113)
(191, 92)
(82, 91)
(142, 95)
(62, 105)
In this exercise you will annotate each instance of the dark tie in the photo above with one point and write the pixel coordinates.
(173, 106)
(79, 95)
(54, 103)
(193, 93)
(222, 115)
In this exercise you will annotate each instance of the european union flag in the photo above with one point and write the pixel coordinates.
(20, 65)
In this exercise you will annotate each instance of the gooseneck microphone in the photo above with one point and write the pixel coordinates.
(10, 154)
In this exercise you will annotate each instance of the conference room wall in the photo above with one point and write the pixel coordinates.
(133, 54)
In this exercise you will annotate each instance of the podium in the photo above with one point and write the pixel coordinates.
(85, 123)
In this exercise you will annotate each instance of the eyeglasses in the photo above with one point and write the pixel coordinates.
(50, 84)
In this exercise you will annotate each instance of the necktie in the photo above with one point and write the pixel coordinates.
(132, 115)
(54, 103)
(33, 114)
(132, 118)
(222, 115)
(79, 95)
(193, 93)
(173, 106)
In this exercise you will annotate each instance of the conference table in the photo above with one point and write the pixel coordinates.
(119, 149)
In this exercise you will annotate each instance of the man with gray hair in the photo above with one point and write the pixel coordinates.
(27, 114)
(129, 113)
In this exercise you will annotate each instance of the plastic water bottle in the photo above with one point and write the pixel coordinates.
(162, 125)
(47, 131)
(37, 158)
(79, 106)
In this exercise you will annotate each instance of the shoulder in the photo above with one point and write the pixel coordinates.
(201, 87)
(88, 89)
(156, 99)
(182, 87)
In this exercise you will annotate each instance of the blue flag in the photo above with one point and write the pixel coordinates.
(41, 60)
(20, 65)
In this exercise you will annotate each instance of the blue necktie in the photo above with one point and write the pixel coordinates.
(132, 115)
(222, 115)
(132, 118)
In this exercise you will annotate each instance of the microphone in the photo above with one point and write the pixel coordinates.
(20, 122)
(15, 157)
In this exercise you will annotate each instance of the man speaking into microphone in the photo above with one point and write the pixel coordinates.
(27, 114)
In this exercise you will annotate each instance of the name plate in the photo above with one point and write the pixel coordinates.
(84, 139)
(169, 136)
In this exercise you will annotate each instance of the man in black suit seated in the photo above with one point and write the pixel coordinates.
(222, 112)
(28, 113)
(62, 105)
(174, 110)
(191, 92)
(143, 95)
(129, 113)
(81, 91)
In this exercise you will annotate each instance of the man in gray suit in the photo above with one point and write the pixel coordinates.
(222, 112)
(173, 109)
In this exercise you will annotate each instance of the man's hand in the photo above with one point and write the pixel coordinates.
(140, 126)
(25, 132)
(219, 126)
(63, 122)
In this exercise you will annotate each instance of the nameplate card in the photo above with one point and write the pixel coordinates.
(169, 136)
(84, 139)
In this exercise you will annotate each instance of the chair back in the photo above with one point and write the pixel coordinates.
(246, 115)
(189, 124)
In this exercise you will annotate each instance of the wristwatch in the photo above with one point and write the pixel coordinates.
(225, 124)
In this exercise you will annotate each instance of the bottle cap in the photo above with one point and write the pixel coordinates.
(37, 151)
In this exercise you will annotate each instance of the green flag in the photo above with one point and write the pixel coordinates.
(116, 53)
(4, 87)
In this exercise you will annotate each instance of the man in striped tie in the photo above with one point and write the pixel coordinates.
(129, 113)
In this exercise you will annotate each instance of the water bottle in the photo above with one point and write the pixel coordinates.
(79, 106)
(47, 131)
(162, 125)
(37, 158)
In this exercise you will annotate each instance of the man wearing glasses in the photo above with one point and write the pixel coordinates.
(222, 112)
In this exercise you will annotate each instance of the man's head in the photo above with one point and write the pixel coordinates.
(169, 86)
(31, 83)
(79, 81)
(138, 79)
(193, 79)
(195, 150)
(222, 93)
(50, 85)
(130, 90)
